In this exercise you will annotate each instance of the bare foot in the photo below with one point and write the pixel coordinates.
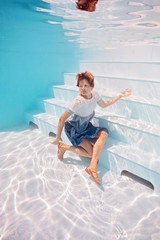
(93, 173)
(61, 151)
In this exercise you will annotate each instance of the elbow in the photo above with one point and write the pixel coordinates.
(103, 105)
(61, 120)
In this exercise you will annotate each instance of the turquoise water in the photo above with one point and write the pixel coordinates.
(45, 199)
(124, 29)
(40, 40)
(33, 55)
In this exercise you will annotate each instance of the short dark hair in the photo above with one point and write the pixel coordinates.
(87, 76)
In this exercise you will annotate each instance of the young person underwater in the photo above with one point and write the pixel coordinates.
(78, 128)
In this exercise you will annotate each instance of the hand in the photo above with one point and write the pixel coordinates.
(125, 93)
(55, 141)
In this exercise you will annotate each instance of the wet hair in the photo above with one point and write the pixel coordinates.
(85, 76)
(84, 5)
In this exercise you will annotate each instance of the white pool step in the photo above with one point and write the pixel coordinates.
(145, 88)
(133, 122)
(133, 98)
(130, 131)
(135, 107)
(117, 156)
(133, 70)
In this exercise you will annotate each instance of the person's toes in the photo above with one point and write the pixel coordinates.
(94, 175)
(60, 152)
(88, 170)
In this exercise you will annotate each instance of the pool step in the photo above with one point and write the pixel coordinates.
(134, 107)
(131, 131)
(117, 156)
(144, 88)
(133, 70)
(133, 122)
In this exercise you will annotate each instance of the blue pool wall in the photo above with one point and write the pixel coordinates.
(33, 55)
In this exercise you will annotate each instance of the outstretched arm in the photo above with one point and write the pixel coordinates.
(125, 93)
(61, 122)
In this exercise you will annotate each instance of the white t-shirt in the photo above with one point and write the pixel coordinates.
(84, 107)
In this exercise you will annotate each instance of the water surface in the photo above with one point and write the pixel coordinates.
(114, 23)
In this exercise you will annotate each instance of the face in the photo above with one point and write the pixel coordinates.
(85, 89)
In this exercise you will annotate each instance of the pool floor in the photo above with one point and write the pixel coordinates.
(43, 198)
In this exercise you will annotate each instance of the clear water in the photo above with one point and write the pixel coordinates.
(33, 55)
(42, 198)
(114, 23)
(45, 199)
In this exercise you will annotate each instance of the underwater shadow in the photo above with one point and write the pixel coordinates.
(84, 161)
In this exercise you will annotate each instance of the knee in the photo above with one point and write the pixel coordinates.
(104, 135)
(90, 154)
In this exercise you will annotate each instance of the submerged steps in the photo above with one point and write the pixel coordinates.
(121, 128)
(133, 122)
(146, 88)
(48, 123)
(133, 70)
(135, 107)
(117, 156)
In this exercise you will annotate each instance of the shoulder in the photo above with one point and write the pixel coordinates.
(76, 103)
(77, 100)
(96, 95)
(94, 92)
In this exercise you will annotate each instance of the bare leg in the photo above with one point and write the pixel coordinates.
(97, 149)
(84, 149)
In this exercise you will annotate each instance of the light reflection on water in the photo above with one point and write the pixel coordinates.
(43, 198)
(116, 22)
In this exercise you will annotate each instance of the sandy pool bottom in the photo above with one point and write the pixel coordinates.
(42, 198)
